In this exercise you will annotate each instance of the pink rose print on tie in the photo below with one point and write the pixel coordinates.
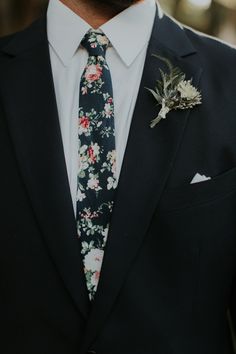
(93, 182)
(94, 45)
(92, 264)
(84, 122)
(93, 153)
(93, 72)
(84, 125)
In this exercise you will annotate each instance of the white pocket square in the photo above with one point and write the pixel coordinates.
(199, 178)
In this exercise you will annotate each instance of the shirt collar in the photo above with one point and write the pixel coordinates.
(66, 30)
(131, 30)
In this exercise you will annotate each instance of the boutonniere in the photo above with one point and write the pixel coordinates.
(173, 92)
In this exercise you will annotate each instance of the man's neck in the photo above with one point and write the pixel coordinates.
(94, 15)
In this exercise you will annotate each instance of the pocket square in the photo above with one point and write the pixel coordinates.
(199, 178)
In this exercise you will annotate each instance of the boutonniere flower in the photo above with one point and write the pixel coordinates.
(173, 92)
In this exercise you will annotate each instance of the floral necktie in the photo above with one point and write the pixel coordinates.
(97, 157)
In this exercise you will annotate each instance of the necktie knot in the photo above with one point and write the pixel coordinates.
(96, 43)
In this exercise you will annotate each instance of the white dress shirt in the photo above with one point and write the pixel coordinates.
(129, 33)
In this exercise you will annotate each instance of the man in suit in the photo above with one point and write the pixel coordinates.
(163, 280)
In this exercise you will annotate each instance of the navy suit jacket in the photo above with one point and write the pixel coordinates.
(168, 279)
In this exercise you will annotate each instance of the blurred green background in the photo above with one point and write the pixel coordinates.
(214, 17)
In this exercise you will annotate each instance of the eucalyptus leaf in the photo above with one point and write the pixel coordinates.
(155, 94)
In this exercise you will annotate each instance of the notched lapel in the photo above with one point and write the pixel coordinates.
(148, 160)
(28, 96)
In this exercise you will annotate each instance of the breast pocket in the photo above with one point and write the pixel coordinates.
(198, 194)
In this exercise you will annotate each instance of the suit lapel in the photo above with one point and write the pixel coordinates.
(28, 96)
(148, 160)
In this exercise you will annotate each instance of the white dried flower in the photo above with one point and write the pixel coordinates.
(187, 90)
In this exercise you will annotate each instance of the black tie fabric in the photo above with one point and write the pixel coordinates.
(97, 158)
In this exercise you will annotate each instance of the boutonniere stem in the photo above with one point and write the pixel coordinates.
(173, 92)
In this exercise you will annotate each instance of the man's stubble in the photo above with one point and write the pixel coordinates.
(98, 12)
(113, 4)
